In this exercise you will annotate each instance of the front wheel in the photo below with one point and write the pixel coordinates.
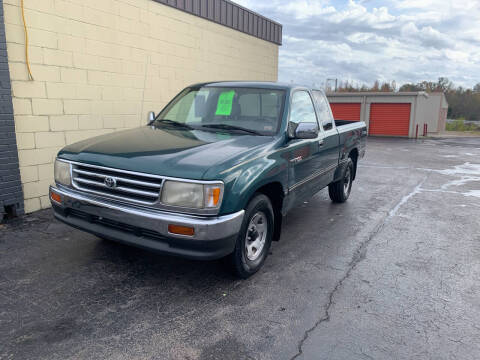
(254, 239)
(339, 191)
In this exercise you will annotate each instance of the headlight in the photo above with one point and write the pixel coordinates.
(62, 172)
(192, 195)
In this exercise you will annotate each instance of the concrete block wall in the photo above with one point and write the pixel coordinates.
(101, 65)
(11, 197)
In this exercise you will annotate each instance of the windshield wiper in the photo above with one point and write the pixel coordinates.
(174, 123)
(232, 127)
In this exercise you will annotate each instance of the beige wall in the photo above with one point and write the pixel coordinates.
(432, 106)
(101, 65)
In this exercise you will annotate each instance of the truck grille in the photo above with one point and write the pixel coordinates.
(117, 184)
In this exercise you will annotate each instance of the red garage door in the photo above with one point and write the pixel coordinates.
(389, 119)
(346, 111)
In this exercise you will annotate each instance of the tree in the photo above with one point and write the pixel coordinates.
(410, 87)
(444, 84)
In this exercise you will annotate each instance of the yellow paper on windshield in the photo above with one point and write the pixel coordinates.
(225, 100)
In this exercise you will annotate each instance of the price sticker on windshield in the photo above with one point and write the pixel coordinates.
(225, 101)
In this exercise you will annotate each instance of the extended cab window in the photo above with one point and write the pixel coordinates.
(323, 110)
(302, 109)
(236, 109)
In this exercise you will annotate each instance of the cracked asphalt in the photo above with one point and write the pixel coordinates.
(394, 273)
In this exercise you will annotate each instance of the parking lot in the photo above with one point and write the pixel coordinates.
(394, 273)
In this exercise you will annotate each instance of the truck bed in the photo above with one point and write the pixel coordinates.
(345, 122)
(352, 134)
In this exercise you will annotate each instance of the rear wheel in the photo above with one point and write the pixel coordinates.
(339, 191)
(254, 239)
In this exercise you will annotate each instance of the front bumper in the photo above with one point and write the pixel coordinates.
(214, 237)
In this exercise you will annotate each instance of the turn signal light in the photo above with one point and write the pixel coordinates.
(213, 196)
(181, 230)
(55, 197)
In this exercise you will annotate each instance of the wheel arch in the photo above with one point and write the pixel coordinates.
(275, 193)
(354, 156)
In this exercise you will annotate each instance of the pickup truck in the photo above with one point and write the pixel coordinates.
(212, 175)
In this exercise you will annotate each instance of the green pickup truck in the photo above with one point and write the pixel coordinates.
(212, 175)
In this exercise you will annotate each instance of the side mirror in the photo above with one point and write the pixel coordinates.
(151, 116)
(327, 126)
(305, 131)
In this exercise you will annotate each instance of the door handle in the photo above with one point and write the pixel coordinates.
(320, 142)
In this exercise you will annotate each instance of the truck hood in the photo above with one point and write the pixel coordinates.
(168, 152)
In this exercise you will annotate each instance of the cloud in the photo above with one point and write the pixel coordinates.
(305, 9)
(360, 41)
(426, 36)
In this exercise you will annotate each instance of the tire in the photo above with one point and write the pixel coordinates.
(339, 191)
(254, 239)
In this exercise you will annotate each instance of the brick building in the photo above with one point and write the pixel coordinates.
(101, 66)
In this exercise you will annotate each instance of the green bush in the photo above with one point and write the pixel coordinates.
(459, 125)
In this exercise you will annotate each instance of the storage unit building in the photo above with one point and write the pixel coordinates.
(101, 66)
(350, 111)
(392, 114)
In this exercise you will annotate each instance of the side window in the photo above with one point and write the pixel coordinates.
(323, 110)
(302, 109)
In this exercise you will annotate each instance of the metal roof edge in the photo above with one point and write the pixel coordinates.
(222, 12)
(253, 12)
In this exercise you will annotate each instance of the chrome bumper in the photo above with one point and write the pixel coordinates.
(209, 232)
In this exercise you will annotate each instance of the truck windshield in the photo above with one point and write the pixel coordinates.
(231, 109)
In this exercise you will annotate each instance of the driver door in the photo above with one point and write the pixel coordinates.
(305, 163)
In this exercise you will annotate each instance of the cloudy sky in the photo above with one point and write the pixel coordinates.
(364, 40)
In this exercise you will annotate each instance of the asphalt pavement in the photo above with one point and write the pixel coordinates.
(394, 273)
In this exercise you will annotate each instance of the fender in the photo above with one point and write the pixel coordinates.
(249, 178)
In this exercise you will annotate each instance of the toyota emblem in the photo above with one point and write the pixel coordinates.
(110, 182)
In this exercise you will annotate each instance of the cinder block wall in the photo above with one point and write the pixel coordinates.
(101, 65)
